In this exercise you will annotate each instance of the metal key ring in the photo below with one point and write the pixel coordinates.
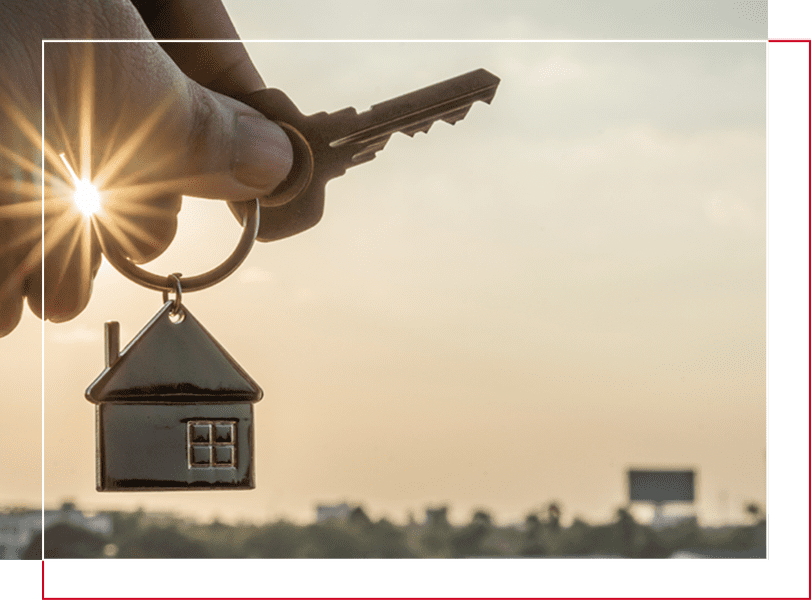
(198, 282)
(174, 281)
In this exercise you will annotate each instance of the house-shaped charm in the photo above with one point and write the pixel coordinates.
(173, 411)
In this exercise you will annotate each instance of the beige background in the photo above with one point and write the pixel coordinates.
(510, 311)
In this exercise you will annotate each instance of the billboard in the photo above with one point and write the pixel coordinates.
(662, 485)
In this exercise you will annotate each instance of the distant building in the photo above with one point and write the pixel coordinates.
(325, 512)
(663, 521)
(19, 528)
(660, 488)
(163, 519)
(97, 522)
(437, 517)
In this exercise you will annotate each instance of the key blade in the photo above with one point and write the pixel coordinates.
(448, 101)
(326, 145)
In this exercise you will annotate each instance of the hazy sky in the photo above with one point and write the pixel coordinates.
(509, 311)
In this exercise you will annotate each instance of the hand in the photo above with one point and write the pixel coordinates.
(146, 123)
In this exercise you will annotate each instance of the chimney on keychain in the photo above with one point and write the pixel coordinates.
(111, 343)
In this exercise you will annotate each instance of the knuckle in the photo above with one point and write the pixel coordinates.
(206, 126)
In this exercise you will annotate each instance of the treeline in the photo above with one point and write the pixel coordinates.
(141, 535)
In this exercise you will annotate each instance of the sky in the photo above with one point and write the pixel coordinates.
(514, 310)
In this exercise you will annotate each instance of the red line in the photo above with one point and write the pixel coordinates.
(806, 41)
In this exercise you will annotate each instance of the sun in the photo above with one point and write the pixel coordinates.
(85, 195)
(86, 198)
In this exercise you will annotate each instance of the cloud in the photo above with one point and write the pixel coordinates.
(254, 274)
(75, 334)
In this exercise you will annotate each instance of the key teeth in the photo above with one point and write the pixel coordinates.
(421, 127)
(359, 136)
(458, 115)
(370, 150)
(451, 118)
(361, 158)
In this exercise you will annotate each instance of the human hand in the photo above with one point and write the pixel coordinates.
(145, 123)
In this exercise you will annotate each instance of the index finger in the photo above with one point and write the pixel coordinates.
(222, 67)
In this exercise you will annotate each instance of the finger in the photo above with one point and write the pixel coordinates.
(12, 272)
(159, 130)
(69, 267)
(11, 295)
(142, 229)
(235, 152)
(20, 211)
(223, 67)
(11, 311)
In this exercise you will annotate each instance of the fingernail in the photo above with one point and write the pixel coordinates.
(263, 154)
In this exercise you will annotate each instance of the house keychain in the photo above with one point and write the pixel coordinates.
(174, 411)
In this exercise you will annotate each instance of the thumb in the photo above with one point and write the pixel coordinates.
(235, 152)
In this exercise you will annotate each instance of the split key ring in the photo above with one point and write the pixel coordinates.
(198, 282)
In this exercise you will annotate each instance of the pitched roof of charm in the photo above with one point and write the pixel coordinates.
(174, 362)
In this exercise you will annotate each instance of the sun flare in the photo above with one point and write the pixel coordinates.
(103, 189)
(85, 195)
